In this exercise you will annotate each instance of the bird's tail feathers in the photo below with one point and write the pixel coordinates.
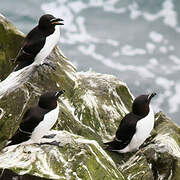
(9, 143)
(6, 145)
(112, 145)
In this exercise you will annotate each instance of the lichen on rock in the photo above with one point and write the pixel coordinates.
(90, 112)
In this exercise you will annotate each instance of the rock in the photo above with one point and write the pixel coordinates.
(10, 43)
(90, 112)
(74, 157)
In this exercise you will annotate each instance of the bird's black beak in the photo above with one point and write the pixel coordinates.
(58, 93)
(57, 21)
(151, 96)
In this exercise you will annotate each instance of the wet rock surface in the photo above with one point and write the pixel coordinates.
(90, 112)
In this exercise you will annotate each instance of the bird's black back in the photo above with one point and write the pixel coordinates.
(31, 119)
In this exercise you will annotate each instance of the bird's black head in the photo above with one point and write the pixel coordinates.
(48, 100)
(48, 21)
(141, 104)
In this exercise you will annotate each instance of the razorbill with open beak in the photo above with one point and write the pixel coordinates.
(39, 42)
(135, 127)
(37, 120)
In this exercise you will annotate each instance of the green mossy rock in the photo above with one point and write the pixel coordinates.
(75, 157)
(90, 112)
(10, 43)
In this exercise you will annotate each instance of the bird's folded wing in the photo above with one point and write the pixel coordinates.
(31, 46)
(29, 50)
(127, 128)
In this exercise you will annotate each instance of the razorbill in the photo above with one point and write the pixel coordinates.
(37, 120)
(39, 42)
(135, 127)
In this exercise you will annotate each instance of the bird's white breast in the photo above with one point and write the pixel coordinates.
(143, 130)
(45, 125)
(50, 43)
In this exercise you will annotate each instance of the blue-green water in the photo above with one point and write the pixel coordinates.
(138, 41)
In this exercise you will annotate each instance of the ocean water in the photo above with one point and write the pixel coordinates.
(137, 41)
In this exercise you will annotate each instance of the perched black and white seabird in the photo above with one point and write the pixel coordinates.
(135, 127)
(37, 120)
(39, 42)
